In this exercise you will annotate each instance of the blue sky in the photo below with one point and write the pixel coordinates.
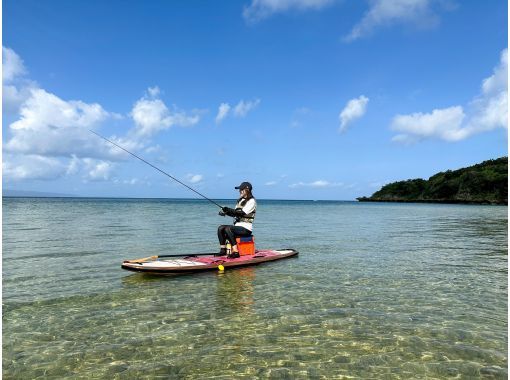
(306, 99)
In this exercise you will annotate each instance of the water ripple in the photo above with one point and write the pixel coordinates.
(378, 291)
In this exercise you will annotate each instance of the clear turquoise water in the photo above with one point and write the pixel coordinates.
(381, 291)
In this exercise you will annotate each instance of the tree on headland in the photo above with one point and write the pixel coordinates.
(484, 183)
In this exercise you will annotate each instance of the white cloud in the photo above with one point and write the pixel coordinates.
(154, 91)
(43, 108)
(90, 169)
(153, 149)
(242, 108)
(418, 13)
(73, 166)
(490, 113)
(50, 126)
(36, 167)
(29, 167)
(316, 184)
(498, 81)
(51, 137)
(14, 96)
(490, 109)
(270, 183)
(260, 9)
(15, 86)
(223, 110)
(442, 123)
(354, 109)
(12, 65)
(486, 112)
(132, 181)
(195, 178)
(381, 13)
(152, 116)
(98, 170)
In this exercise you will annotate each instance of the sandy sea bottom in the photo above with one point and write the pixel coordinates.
(378, 291)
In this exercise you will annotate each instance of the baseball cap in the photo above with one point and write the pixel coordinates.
(244, 185)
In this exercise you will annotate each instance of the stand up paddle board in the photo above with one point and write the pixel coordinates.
(195, 263)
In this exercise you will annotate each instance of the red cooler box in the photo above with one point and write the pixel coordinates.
(246, 245)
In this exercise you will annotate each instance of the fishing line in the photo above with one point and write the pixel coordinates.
(155, 167)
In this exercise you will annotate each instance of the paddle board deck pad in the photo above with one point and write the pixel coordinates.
(190, 264)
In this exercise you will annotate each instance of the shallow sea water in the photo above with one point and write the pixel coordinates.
(378, 291)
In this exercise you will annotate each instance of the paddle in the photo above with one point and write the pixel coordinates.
(152, 258)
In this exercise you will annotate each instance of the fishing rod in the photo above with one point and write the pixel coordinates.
(155, 167)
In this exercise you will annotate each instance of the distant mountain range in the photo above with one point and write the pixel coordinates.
(25, 193)
(484, 183)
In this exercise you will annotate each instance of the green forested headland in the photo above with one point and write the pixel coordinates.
(484, 183)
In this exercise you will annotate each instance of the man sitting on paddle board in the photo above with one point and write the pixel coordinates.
(244, 214)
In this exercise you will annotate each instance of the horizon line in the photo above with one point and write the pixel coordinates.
(170, 198)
